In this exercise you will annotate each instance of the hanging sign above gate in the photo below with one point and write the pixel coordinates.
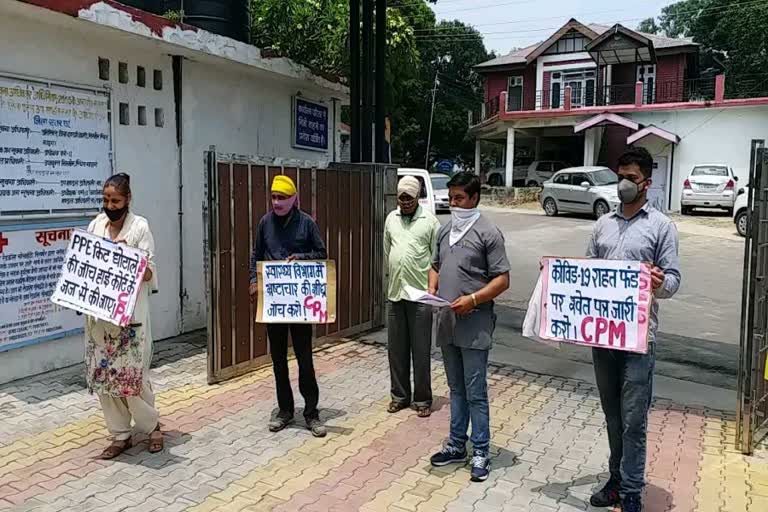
(310, 125)
(299, 292)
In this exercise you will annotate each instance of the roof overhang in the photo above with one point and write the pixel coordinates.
(652, 130)
(606, 119)
(572, 24)
(620, 45)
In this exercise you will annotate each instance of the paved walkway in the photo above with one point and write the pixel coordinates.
(549, 447)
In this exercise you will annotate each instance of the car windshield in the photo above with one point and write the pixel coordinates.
(710, 171)
(604, 177)
(440, 182)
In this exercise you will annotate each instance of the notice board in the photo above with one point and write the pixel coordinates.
(55, 147)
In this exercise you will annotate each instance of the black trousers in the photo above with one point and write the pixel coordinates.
(301, 335)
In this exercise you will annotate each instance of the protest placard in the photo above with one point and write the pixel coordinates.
(596, 303)
(298, 292)
(100, 278)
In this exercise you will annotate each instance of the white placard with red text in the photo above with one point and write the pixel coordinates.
(100, 278)
(30, 260)
(596, 303)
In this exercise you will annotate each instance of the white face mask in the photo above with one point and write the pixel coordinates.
(462, 219)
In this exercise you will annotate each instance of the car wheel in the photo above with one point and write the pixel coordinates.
(533, 184)
(741, 223)
(730, 212)
(550, 207)
(685, 210)
(495, 180)
(601, 208)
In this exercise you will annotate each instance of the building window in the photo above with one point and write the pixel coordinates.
(141, 76)
(125, 117)
(571, 42)
(142, 115)
(103, 68)
(122, 72)
(582, 84)
(159, 118)
(158, 80)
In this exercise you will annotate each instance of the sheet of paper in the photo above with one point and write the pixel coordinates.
(422, 296)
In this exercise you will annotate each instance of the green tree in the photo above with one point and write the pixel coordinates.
(648, 26)
(315, 33)
(732, 33)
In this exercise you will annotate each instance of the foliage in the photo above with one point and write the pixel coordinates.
(648, 26)
(732, 33)
(315, 33)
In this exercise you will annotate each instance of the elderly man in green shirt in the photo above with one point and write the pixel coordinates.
(409, 240)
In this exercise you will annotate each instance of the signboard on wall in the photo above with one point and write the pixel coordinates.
(310, 125)
(54, 147)
(30, 263)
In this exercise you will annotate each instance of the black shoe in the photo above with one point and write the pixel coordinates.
(632, 503)
(282, 420)
(481, 467)
(608, 496)
(449, 455)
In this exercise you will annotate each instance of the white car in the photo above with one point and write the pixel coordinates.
(709, 186)
(740, 211)
(589, 189)
(440, 190)
(533, 175)
(427, 195)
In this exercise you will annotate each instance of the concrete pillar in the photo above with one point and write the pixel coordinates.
(477, 157)
(510, 160)
(537, 149)
(590, 136)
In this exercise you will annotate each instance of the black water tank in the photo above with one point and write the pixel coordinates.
(231, 18)
(153, 6)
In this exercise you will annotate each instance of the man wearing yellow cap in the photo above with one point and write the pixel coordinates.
(287, 233)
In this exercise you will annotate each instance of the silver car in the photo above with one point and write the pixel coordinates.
(440, 188)
(709, 186)
(581, 190)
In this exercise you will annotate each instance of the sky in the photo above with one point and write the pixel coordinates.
(508, 24)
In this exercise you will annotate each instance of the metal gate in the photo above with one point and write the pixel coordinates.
(349, 203)
(752, 408)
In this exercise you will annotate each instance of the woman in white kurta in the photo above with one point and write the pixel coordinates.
(117, 359)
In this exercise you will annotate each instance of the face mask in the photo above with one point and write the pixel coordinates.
(462, 219)
(628, 191)
(283, 207)
(117, 214)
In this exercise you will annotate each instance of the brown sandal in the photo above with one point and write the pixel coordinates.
(115, 449)
(396, 407)
(156, 441)
(423, 412)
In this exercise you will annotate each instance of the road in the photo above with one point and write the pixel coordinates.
(699, 328)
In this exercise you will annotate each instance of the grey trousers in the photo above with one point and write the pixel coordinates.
(410, 339)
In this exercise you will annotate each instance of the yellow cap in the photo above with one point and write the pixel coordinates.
(284, 185)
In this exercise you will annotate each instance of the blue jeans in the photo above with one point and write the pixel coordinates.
(625, 381)
(466, 370)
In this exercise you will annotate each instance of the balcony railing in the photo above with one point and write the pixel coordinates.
(709, 89)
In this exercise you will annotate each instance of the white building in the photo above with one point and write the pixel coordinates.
(173, 91)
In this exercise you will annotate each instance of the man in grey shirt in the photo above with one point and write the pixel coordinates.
(469, 268)
(635, 232)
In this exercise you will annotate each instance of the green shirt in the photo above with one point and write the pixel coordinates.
(408, 247)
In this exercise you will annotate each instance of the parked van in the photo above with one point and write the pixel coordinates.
(427, 194)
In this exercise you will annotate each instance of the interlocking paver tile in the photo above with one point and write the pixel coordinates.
(548, 446)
